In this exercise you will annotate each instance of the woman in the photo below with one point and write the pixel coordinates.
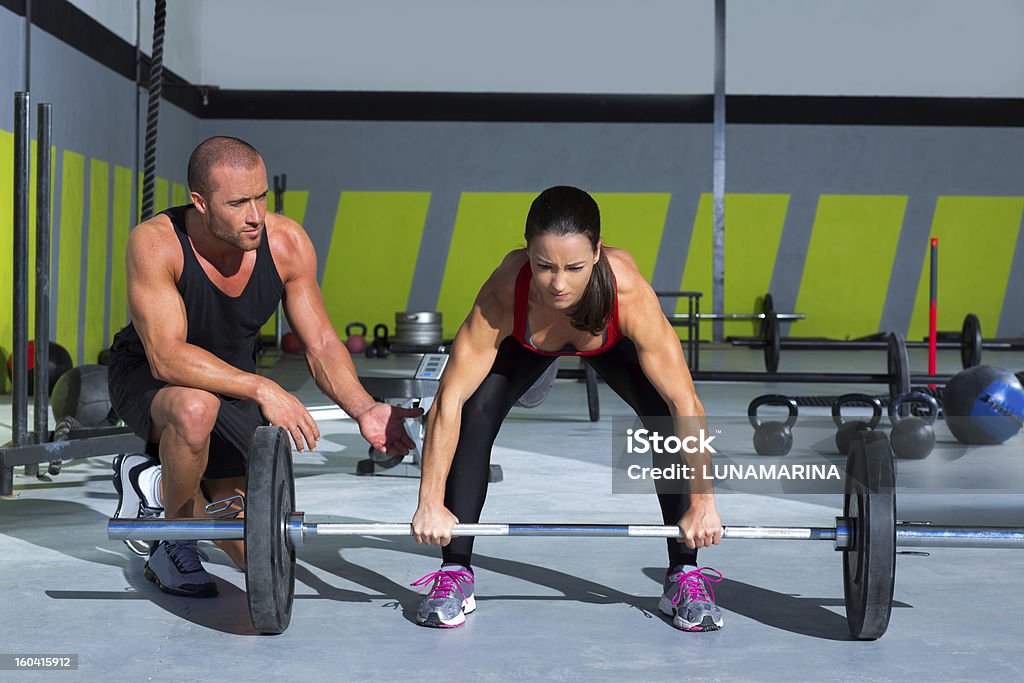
(565, 294)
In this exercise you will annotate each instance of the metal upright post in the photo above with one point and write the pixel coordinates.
(279, 190)
(44, 130)
(20, 304)
(718, 176)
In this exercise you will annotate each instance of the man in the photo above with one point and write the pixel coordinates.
(202, 281)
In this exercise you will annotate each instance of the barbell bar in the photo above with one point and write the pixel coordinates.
(970, 343)
(897, 377)
(912, 534)
(866, 533)
(737, 316)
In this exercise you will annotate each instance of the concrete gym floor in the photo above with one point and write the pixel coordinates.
(549, 609)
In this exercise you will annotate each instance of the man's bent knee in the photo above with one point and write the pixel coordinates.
(191, 413)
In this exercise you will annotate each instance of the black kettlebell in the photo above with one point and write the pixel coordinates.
(913, 438)
(772, 438)
(848, 431)
(380, 346)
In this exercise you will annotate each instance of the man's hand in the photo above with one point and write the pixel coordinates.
(433, 525)
(383, 429)
(701, 525)
(282, 409)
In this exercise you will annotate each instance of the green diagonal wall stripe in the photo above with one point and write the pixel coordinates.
(634, 222)
(68, 295)
(123, 221)
(96, 259)
(160, 194)
(753, 228)
(179, 195)
(490, 224)
(849, 262)
(161, 197)
(977, 236)
(368, 274)
(295, 208)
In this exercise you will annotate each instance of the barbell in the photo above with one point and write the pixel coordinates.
(970, 343)
(897, 377)
(867, 533)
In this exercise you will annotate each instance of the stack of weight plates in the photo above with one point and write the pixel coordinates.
(418, 327)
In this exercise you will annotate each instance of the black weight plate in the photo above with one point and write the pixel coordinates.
(535, 395)
(970, 342)
(869, 566)
(899, 366)
(269, 557)
(772, 342)
(384, 461)
(593, 403)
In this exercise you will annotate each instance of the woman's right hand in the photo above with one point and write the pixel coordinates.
(432, 524)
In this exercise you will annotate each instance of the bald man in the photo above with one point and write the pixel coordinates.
(202, 280)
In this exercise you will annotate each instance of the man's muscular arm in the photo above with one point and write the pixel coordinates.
(329, 361)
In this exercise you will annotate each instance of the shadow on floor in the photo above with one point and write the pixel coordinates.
(45, 523)
(806, 616)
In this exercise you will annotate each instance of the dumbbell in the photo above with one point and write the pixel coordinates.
(913, 438)
(772, 438)
(848, 431)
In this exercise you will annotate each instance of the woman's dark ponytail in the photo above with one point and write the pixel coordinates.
(593, 310)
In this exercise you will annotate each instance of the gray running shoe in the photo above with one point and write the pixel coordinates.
(450, 598)
(131, 501)
(174, 566)
(689, 599)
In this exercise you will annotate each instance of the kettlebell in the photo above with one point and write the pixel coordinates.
(356, 343)
(913, 438)
(772, 438)
(378, 348)
(848, 431)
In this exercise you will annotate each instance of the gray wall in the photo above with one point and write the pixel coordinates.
(95, 109)
(948, 48)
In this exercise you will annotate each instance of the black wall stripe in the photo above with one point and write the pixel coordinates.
(75, 28)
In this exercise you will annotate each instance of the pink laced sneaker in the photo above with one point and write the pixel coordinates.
(689, 599)
(450, 598)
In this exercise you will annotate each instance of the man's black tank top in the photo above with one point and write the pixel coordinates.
(225, 326)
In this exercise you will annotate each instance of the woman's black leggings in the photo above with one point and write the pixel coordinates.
(514, 371)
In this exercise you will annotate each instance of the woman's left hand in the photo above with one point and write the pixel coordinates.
(701, 525)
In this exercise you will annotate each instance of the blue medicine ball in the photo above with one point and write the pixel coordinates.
(984, 405)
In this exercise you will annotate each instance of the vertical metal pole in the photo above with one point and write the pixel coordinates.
(718, 183)
(21, 187)
(933, 306)
(28, 45)
(279, 189)
(19, 354)
(44, 129)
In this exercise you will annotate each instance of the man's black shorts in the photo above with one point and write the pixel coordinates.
(132, 390)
